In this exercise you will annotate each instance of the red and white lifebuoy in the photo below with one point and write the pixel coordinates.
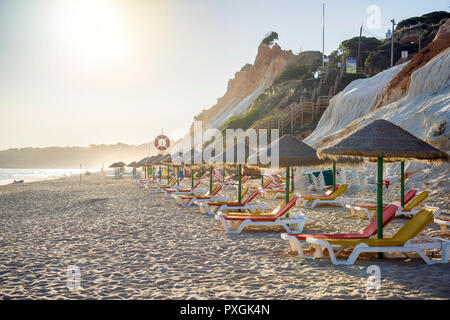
(162, 142)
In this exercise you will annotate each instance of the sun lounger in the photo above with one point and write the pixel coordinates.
(187, 201)
(411, 208)
(403, 241)
(370, 210)
(236, 223)
(443, 223)
(170, 193)
(219, 206)
(334, 198)
(160, 188)
(298, 240)
(233, 184)
(142, 183)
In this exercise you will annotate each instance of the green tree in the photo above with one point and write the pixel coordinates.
(270, 38)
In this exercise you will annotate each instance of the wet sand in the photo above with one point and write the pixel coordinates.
(132, 245)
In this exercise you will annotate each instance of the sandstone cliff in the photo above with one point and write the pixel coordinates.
(247, 84)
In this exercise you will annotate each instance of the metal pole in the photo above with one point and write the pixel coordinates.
(239, 184)
(210, 179)
(392, 43)
(287, 184)
(287, 188)
(223, 173)
(323, 35)
(359, 45)
(292, 179)
(192, 178)
(402, 183)
(334, 176)
(178, 176)
(262, 178)
(380, 201)
(168, 174)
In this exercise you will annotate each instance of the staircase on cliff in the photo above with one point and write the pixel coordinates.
(306, 111)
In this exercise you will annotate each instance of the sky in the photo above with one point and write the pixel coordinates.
(81, 72)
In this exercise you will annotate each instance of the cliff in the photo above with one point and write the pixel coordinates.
(247, 84)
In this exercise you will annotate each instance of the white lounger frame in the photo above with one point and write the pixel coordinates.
(322, 244)
(171, 195)
(443, 224)
(272, 195)
(299, 221)
(159, 189)
(192, 201)
(250, 207)
(339, 201)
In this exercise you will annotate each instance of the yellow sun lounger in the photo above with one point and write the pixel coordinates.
(410, 208)
(211, 207)
(260, 213)
(333, 198)
(402, 241)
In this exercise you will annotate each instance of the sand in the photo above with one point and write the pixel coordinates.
(132, 245)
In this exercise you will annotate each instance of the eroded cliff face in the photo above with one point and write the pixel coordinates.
(419, 102)
(399, 85)
(247, 84)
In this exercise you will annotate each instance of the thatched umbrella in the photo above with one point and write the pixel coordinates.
(118, 165)
(166, 160)
(152, 162)
(291, 152)
(145, 163)
(174, 159)
(133, 165)
(212, 152)
(381, 140)
(191, 158)
(235, 155)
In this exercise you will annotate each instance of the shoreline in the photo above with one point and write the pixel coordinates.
(132, 245)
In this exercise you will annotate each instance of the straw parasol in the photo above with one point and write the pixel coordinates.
(381, 140)
(210, 151)
(191, 158)
(235, 155)
(132, 164)
(381, 137)
(291, 152)
(174, 160)
(118, 165)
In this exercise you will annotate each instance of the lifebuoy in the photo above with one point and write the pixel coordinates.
(162, 142)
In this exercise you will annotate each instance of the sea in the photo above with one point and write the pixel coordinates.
(7, 176)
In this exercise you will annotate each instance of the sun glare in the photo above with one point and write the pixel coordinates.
(91, 32)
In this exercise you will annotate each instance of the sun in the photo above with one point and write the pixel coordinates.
(91, 32)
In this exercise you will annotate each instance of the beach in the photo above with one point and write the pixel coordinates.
(129, 244)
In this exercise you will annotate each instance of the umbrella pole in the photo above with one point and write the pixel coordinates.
(239, 184)
(402, 183)
(380, 201)
(334, 176)
(168, 175)
(145, 172)
(210, 179)
(287, 184)
(178, 176)
(192, 178)
(287, 188)
(292, 179)
(223, 173)
(262, 178)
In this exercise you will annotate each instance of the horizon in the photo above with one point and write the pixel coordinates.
(131, 68)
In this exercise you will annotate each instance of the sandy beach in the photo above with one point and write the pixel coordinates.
(132, 245)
